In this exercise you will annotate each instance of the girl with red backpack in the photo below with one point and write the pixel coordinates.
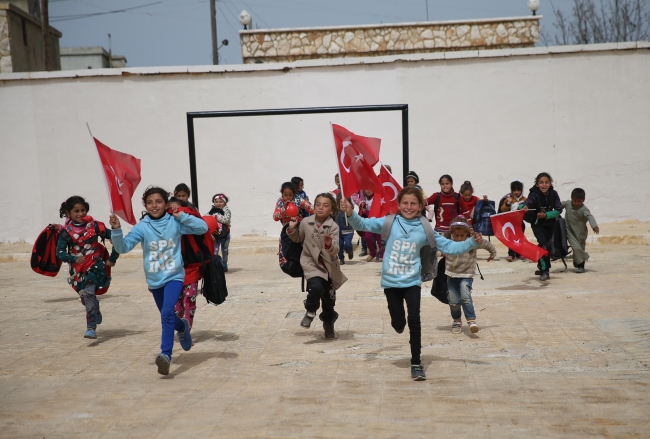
(446, 204)
(78, 245)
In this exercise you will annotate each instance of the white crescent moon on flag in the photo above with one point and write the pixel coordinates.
(505, 227)
(345, 143)
(392, 186)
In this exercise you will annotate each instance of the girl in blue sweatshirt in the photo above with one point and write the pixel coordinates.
(160, 236)
(400, 272)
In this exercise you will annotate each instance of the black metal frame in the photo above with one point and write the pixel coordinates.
(284, 111)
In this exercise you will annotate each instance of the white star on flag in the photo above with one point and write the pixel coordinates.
(382, 201)
(358, 157)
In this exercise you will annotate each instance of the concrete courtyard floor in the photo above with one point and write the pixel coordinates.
(568, 358)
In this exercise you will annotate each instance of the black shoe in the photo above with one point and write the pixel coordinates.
(342, 261)
(544, 276)
(363, 253)
(306, 321)
(330, 334)
(537, 272)
(417, 373)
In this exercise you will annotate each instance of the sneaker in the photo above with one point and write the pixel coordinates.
(225, 268)
(306, 321)
(350, 254)
(369, 258)
(363, 253)
(163, 362)
(510, 258)
(98, 318)
(473, 327)
(342, 261)
(90, 333)
(544, 276)
(185, 338)
(581, 270)
(456, 328)
(538, 272)
(330, 333)
(417, 372)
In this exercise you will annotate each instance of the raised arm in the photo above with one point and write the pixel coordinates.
(124, 244)
(191, 225)
(373, 225)
(449, 247)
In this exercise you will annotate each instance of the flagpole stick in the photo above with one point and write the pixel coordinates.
(337, 165)
(101, 166)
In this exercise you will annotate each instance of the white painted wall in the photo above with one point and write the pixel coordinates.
(488, 117)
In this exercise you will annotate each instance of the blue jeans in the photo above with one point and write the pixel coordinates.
(460, 294)
(345, 244)
(166, 298)
(224, 243)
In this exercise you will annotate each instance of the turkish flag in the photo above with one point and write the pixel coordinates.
(385, 203)
(355, 156)
(508, 229)
(122, 172)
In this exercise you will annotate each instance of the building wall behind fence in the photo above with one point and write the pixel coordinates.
(581, 116)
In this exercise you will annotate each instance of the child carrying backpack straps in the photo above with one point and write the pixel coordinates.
(428, 254)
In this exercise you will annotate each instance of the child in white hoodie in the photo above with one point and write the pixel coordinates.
(460, 270)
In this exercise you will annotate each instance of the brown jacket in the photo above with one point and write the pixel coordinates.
(314, 254)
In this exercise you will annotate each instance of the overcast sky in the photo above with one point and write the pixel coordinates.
(177, 32)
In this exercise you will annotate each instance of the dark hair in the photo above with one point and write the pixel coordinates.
(517, 186)
(180, 202)
(223, 195)
(543, 174)
(410, 190)
(182, 188)
(389, 168)
(288, 185)
(459, 219)
(70, 203)
(466, 186)
(329, 196)
(412, 174)
(448, 177)
(296, 181)
(578, 193)
(151, 190)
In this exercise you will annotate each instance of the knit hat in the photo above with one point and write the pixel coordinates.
(412, 174)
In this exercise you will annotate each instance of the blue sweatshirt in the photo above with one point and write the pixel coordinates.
(401, 266)
(161, 245)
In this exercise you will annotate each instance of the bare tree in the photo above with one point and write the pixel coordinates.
(610, 21)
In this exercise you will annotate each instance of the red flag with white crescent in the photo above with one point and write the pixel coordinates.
(356, 155)
(508, 229)
(385, 203)
(122, 172)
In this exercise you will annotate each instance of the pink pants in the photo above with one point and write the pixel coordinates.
(373, 240)
(186, 304)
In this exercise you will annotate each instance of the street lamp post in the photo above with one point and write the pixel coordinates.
(533, 5)
(245, 19)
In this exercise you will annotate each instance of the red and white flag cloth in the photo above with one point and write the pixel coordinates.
(508, 229)
(122, 172)
(356, 155)
(385, 202)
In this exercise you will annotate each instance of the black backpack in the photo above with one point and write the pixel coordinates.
(213, 286)
(482, 213)
(289, 254)
(439, 287)
(560, 247)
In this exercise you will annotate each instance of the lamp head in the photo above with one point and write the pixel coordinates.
(245, 18)
(533, 5)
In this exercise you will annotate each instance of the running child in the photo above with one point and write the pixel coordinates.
(159, 234)
(546, 206)
(509, 203)
(79, 246)
(401, 272)
(346, 233)
(446, 204)
(460, 270)
(577, 215)
(290, 196)
(319, 262)
(467, 201)
(221, 212)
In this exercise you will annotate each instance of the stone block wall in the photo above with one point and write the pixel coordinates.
(281, 45)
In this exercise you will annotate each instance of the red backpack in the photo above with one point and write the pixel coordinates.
(44, 260)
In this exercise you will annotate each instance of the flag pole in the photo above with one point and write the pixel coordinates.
(101, 166)
(337, 166)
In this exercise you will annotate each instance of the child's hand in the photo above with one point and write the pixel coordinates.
(175, 212)
(490, 258)
(346, 206)
(541, 215)
(508, 201)
(525, 208)
(114, 222)
(110, 264)
(80, 259)
(478, 238)
(596, 230)
(327, 240)
(293, 223)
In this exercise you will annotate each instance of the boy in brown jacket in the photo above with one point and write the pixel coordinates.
(319, 261)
